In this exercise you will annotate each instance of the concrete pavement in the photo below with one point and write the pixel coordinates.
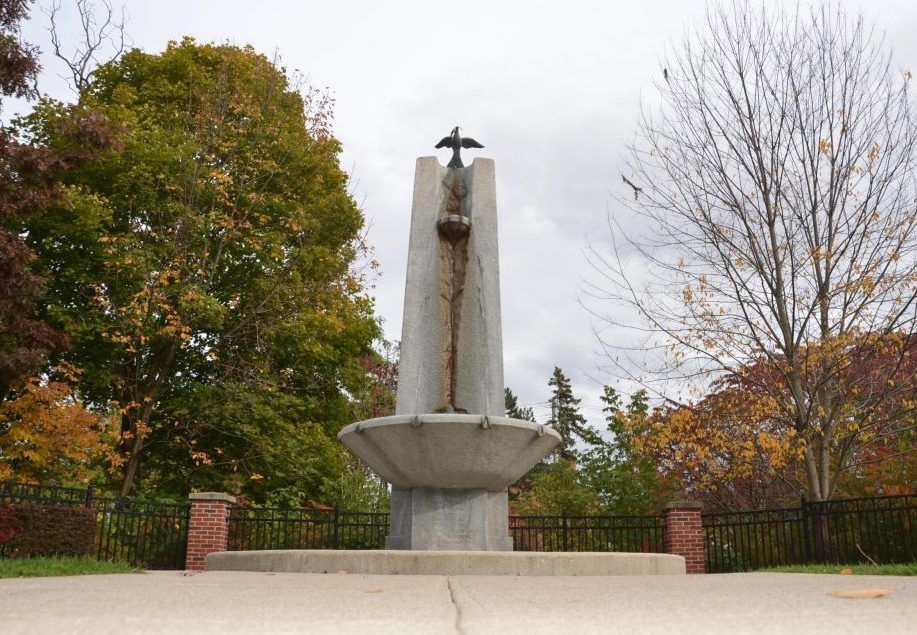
(239, 602)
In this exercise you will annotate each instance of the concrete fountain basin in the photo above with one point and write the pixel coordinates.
(450, 450)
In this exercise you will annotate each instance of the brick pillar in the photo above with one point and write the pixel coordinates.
(208, 526)
(684, 535)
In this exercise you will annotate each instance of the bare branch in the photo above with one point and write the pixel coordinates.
(777, 211)
(102, 39)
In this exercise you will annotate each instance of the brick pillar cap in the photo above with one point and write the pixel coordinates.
(211, 496)
(683, 505)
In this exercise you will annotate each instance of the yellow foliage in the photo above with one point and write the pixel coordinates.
(45, 434)
(874, 152)
(727, 436)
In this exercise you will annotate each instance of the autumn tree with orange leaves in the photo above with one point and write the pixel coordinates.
(778, 264)
(46, 435)
(738, 449)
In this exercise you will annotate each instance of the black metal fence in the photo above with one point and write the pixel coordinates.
(881, 530)
(154, 535)
(587, 533)
(743, 541)
(273, 528)
(13, 492)
(146, 534)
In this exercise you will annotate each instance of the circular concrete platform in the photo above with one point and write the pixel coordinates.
(393, 562)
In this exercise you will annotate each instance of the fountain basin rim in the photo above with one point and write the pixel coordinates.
(485, 421)
(450, 450)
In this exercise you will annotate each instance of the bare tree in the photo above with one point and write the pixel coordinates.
(101, 39)
(778, 215)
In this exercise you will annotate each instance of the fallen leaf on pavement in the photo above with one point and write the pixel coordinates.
(860, 594)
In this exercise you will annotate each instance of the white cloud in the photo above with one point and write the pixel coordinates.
(552, 89)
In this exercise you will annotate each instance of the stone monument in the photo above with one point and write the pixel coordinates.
(449, 452)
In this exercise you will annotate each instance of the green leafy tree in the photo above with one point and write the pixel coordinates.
(206, 271)
(356, 489)
(556, 488)
(625, 480)
(555, 485)
(566, 418)
(511, 405)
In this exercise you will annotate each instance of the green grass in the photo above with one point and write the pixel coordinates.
(857, 569)
(62, 565)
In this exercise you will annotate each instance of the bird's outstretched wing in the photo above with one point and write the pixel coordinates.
(445, 143)
(468, 142)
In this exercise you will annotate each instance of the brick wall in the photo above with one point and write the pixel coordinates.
(684, 534)
(208, 526)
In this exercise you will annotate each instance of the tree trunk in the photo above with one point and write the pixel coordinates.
(146, 394)
(817, 477)
(143, 417)
(130, 469)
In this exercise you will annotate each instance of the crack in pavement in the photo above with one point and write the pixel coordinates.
(458, 608)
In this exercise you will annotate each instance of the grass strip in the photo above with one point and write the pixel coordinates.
(59, 565)
(850, 569)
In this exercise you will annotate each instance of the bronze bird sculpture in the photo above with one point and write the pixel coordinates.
(456, 142)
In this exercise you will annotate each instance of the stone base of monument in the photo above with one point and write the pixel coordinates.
(447, 562)
(449, 473)
(449, 519)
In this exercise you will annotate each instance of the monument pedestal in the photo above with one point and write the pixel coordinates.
(449, 520)
(449, 475)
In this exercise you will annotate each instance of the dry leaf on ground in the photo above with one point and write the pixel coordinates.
(860, 594)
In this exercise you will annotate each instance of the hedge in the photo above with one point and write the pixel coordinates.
(39, 529)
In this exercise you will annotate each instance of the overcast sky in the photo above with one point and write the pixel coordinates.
(552, 89)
